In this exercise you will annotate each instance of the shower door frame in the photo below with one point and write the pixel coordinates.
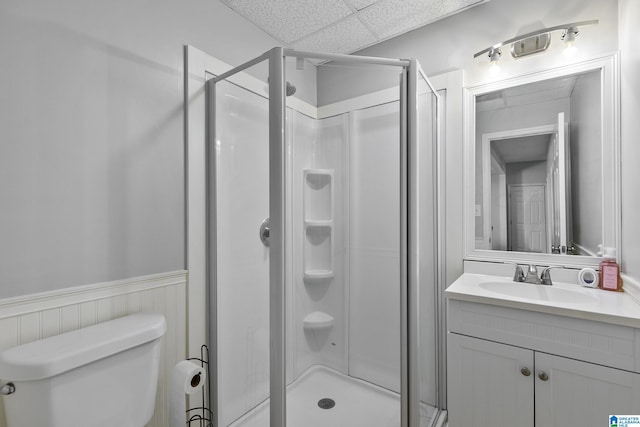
(409, 215)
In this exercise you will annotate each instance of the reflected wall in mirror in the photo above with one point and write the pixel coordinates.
(537, 154)
(542, 150)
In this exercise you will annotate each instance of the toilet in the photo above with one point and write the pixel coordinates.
(103, 375)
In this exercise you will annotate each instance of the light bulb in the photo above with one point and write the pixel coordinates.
(494, 55)
(569, 36)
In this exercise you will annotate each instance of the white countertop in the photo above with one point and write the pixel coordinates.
(564, 299)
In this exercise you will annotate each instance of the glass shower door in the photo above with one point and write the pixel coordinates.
(430, 250)
(326, 313)
(239, 168)
(421, 246)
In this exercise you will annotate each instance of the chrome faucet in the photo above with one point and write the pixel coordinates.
(532, 274)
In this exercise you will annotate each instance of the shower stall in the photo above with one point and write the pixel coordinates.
(323, 245)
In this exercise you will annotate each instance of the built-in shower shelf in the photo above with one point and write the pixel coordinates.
(318, 194)
(318, 320)
(318, 246)
(318, 274)
(319, 223)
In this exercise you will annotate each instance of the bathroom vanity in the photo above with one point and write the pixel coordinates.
(530, 355)
(521, 354)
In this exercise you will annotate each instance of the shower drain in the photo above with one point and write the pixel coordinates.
(326, 403)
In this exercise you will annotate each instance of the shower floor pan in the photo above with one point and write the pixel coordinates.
(357, 403)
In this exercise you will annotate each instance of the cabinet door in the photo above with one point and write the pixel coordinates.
(582, 394)
(486, 384)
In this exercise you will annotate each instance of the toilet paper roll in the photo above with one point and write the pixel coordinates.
(588, 277)
(186, 378)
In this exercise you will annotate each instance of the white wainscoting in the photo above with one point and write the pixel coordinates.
(33, 317)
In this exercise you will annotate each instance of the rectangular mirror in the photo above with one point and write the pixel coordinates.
(542, 163)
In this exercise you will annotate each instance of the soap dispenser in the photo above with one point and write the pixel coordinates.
(610, 279)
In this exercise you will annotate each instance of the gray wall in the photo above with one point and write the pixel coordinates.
(91, 128)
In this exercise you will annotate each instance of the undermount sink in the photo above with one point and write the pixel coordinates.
(539, 292)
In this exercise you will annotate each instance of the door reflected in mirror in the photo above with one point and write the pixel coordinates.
(538, 180)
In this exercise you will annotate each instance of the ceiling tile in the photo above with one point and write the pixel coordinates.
(394, 17)
(361, 4)
(290, 20)
(344, 37)
(390, 12)
(319, 24)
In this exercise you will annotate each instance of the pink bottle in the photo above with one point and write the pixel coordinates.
(610, 279)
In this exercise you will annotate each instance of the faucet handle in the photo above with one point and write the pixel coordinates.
(518, 274)
(545, 276)
(532, 275)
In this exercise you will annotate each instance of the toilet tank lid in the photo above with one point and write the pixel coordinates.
(60, 353)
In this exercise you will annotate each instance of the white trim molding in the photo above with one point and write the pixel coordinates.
(80, 294)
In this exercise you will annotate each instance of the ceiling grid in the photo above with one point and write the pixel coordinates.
(342, 26)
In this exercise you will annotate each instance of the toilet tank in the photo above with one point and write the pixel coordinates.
(104, 375)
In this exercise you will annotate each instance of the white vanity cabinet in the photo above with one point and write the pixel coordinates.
(511, 367)
(485, 384)
(582, 394)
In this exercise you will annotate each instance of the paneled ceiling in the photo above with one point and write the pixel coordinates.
(342, 26)
(523, 149)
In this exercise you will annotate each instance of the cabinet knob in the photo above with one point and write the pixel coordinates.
(525, 371)
(543, 375)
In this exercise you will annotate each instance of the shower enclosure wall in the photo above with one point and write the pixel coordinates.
(326, 314)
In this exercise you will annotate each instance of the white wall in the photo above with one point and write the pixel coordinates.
(374, 246)
(630, 129)
(91, 119)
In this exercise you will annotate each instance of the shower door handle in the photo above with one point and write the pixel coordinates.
(264, 232)
(7, 389)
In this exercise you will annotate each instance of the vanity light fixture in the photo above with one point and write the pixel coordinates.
(536, 41)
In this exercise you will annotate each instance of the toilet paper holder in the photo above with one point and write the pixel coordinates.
(201, 415)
